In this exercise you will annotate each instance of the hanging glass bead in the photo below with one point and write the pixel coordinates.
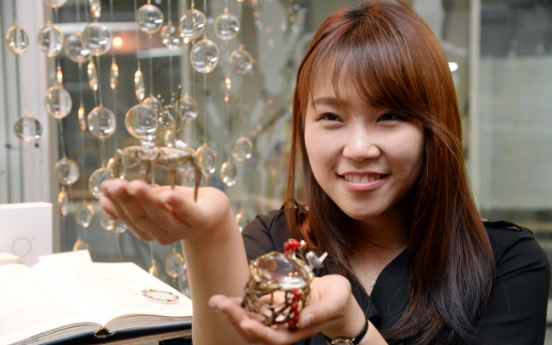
(97, 38)
(92, 75)
(155, 104)
(27, 129)
(192, 25)
(141, 122)
(58, 102)
(84, 214)
(114, 76)
(75, 50)
(150, 19)
(242, 149)
(80, 244)
(59, 76)
(227, 26)
(101, 122)
(242, 218)
(106, 223)
(66, 171)
(204, 56)
(119, 227)
(153, 270)
(173, 263)
(241, 61)
(63, 202)
(96, 179)
(95, 8)
(139, 86)
(17, 40)
(167, 119)
(50, 39)
(228, 173)
(81, 118)
(188, 179)
(187, 111)
(55, 3)
(206, 159)
(170, 36)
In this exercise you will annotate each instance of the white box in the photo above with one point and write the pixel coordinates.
(26, 230)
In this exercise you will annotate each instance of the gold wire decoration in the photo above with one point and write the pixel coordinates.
(275, 273)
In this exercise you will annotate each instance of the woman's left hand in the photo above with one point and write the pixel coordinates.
(332, 309)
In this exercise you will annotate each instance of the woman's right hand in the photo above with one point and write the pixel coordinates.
(162, 214)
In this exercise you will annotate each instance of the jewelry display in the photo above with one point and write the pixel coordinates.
(275, 273)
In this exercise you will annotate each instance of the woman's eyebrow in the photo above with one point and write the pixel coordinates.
(329, 101)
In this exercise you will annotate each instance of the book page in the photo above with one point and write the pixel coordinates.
(111, 290)
(30, 309)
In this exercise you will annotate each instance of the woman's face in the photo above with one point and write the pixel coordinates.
(365, 159)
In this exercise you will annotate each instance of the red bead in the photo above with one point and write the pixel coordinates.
(294, 306)
(291, 324)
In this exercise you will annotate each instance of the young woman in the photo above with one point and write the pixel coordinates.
(377, 137)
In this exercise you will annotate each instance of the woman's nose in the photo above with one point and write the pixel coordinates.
(361, 145)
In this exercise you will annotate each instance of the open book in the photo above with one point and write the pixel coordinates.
(59, 299)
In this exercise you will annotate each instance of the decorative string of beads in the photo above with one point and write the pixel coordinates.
(154, 295)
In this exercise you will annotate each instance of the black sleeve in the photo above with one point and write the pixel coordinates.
(266, 233)
(517, 312)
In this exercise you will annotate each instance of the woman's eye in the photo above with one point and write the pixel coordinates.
(329, 117)
(389, 117)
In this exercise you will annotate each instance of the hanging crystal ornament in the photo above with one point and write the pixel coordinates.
(92, 75)
(242, 149)
(66, 171)
(206, 159)
(173, 263)
(170, 37)
(189, 178)
(192, 24)
(227, 26)
(155, 104)
(187, 112)
(84, 214)
(59, 76)
(50, 39)
(55, 3)
(75, 50)
(153, 270)
(228, 173)
(150, 19)
(106, 223)
(114, 75)
(119, 227)
(101, 122)
(81, 244)
(27, 129)
(96, 179)
(167, 121)
(139, 86)
(204, 56)
(63, 202)
(141, 122)
(81, 118)
(242, 218)
(97, 38)
(17, 40)
(241, 61)
(95, 8)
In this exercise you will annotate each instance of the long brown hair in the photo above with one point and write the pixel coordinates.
(394, 60)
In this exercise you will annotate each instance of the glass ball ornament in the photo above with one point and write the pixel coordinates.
(227, 26)
(150, 19)
(204, 56)
(119, 227)
(106, 223)
(241, 61)
(66, 171)
(55, 3)
(97, 38)
(63, 202)
(173, 263)
(84, 214)
(192, 24)
(141, 122)
(96, 179)
(95, 8)
(206, 159)
(27, 129)
(17, 40)
(50, 39)
(242, 149)
(58, 102)
(155, 104)
(170, 36)
(110, 165)
(101, 122)
(75, 50)
(186, 112)
(188, 178)
(228, 173)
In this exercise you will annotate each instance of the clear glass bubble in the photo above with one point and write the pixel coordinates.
(66, 171)
(101, 122)
(206, 159)
(243, 219)
(241, 61)
(84, 214)
(150, 19)
(55, 3)
(183, 283)
(141, 122)
(27, 129)
(17, 40)
(188, 179)
(92, 75)
(50, 39)
(204, 56)
(114, 76)
(119, 227)
(81, 118)
(173, 263)
(110, 163)
(154, 270)
(228, 173)
(242, 149)
(192, 24)
(80, 244)
(96, 179)
(63, 202)
(227, 26)
(95, 8)
(139, 85)
(155, 104)
(97, 38)
(75, 50)
(187, 111)
(170, 36)
(58, 102)
(106, 223)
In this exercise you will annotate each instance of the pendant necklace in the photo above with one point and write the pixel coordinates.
(372, 280)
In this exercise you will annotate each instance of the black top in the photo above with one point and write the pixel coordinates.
(516, 314)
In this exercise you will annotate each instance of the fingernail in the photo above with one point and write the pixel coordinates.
(307, 320)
